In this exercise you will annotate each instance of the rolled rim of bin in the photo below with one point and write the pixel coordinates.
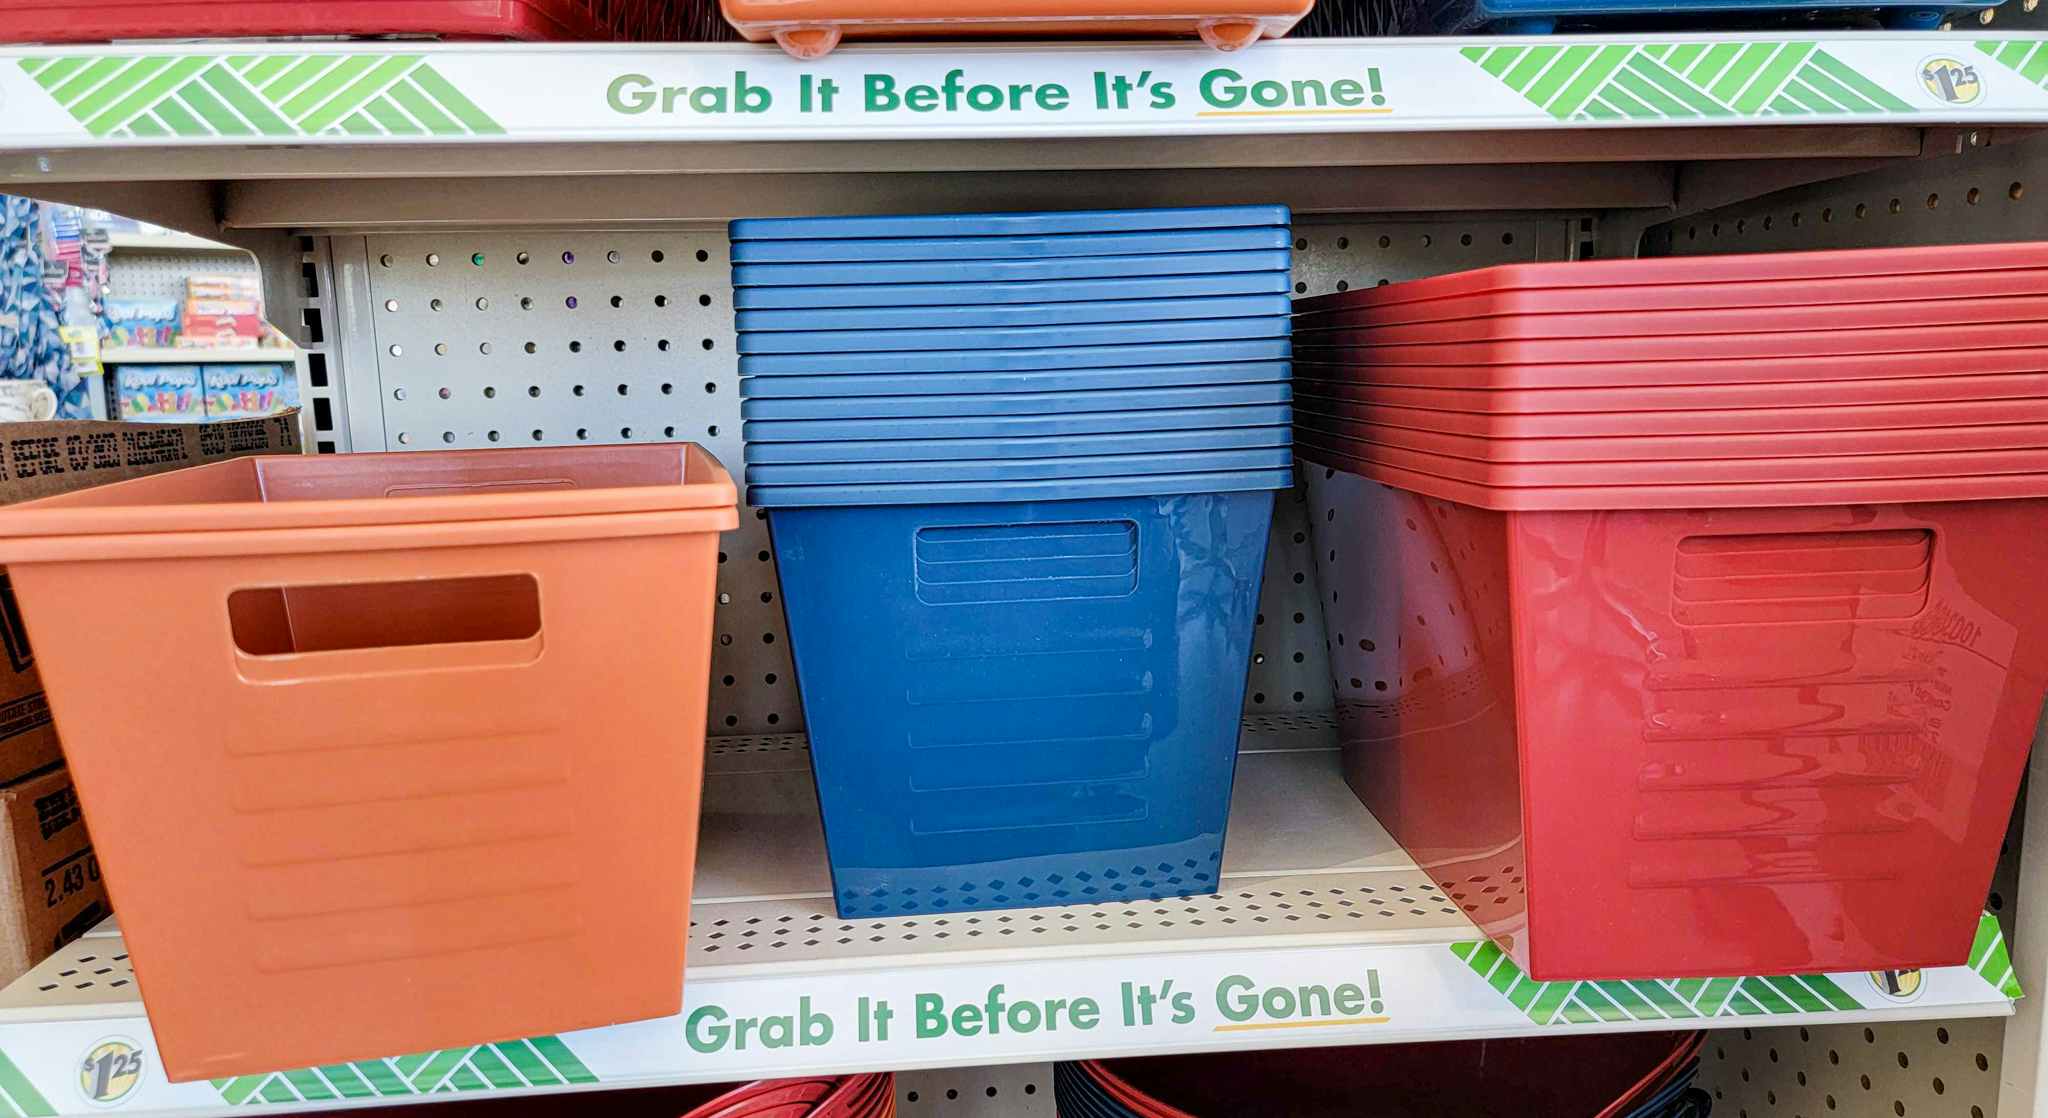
(1735, 268)
(1757, 295)
(1310, 455)
(111, 521)
(1424, 410)
(1349, 347)
(989, 492)
(1803, 377)
(1675, 322)
(1037, 223)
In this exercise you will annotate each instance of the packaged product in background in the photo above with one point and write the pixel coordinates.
(244, 391)
(50, 887)
(226, 331)
(156, 393)
(141, 322)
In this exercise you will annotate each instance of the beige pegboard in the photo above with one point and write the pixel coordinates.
(1918, 1069)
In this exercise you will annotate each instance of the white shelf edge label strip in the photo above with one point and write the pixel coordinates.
(1023, 1011)
(376, 93)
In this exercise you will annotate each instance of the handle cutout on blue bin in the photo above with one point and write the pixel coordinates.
(984, 563)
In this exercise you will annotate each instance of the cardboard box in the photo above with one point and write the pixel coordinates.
(51, 892)
(156, 393)
(50, 887)
(243, 391)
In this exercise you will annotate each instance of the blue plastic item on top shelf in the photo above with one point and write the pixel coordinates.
(1037, 403)
(954, 384)
(1271, 282)
(1023, 703)
(1018, 469)
(1012, 315)
(1028, 446)
(1014, 271)
(886, 249)
(974, 427)
(1027, 224)
(1064, 489)
(836, 343)
(1016, 360)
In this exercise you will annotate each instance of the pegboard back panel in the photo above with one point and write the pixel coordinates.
(140, 273)
(1917, 1069)
(555, 339)
(1987, 192)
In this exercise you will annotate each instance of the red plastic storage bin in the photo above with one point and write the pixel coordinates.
(1627, 451)
(91, 21)
(1327, 380)
(1357, 402)
(360, 736)
(1689, 741)
(1633, 383)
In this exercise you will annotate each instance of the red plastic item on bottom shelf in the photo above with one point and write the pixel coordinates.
(86, 21)
(813, 28)
(1553, 1077)
(1620, 765)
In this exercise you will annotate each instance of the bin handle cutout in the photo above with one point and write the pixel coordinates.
(284, 633)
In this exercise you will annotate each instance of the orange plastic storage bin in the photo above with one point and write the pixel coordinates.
(811, 28)
(386, 752)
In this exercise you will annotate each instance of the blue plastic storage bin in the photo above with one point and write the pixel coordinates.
(1023, 703)
(1019, 314)
(1017, 469)
(896, 249)
(1012, 271)
(985, 294)
(1025, 224)
(1029, 446)
(982, 426)
(838, 343)
(1002, 403)
(959, 384)
(1018, 360)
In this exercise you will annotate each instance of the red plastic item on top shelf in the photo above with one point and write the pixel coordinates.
(92, 21)
(1317, 415)
(1703, 740)
(812, 28)
(1358, 402)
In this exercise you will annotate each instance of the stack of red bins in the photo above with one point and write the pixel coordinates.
(1689, 616)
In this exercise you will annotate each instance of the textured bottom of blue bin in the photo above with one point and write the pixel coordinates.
(1016, 704)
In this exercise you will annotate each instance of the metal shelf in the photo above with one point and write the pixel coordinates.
(173, 355)
(168, 242)
(1314, 894)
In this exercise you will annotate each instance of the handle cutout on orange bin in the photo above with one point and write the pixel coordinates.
(364, 616)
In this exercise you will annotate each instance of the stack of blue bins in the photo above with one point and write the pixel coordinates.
(1019, 471)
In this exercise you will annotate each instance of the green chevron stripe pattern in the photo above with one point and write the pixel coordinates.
(2026, 57)
(1989, 958)
(188, 97)
(1684, 81)
(18, 1097)
(1583, 1003)
(539, 1062)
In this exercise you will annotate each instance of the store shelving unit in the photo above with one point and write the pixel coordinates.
(424, 214)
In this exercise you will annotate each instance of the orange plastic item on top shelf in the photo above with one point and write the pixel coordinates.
(811, 28)
(386, 752)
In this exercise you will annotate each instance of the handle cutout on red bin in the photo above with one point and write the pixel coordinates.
(364, 616)
(1801, 576)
